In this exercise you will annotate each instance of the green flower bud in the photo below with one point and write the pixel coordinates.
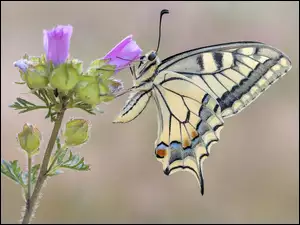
(76, 132)
(29, 139)
(88, 90)
(78, 65)
(36, 77)
(64, 77)
(33, 71)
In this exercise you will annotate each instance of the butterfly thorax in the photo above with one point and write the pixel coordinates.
(146, 71)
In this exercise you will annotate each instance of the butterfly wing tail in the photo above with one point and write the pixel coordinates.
(183, 145)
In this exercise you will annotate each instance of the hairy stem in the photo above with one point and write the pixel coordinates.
(29, 181)
(43, 171)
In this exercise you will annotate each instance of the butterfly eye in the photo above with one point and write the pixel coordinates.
(142, 60)
(152, 56)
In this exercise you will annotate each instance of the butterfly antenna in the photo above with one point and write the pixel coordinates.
(162, 12)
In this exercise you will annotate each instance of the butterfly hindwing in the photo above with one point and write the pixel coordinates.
(235, 74)
(189, 122)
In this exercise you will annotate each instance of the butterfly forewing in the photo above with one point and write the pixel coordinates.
(134, 106)
(234, 74)
(189, 122)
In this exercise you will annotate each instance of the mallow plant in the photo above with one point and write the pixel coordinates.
(60, 83)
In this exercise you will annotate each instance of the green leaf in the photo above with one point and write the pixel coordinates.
(25, 106)
(12, 170)
(56, 172)
(75, 162)
(66, 159)
(84, 106)
(25, 102)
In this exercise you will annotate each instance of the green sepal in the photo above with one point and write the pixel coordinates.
(64, 77)
(106, 71)
(76, 132)
(36, 77)
(88, 90)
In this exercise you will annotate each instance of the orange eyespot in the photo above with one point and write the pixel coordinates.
(185, 143)
(194, 134)
(161, 152)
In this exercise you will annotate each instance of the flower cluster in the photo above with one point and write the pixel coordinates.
(56, 70)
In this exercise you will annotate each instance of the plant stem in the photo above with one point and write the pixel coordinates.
(42, 175)
(29, 181)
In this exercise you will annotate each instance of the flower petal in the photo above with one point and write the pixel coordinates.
(57, 43)
(22, 64)
(115, 50)
(124, 53)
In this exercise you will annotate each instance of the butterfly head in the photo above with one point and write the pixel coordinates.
(147, 66)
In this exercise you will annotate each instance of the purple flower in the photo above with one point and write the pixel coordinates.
(22, 64)
(124, 53)
(57, 43)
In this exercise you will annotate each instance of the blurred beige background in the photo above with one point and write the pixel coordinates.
(252, 174)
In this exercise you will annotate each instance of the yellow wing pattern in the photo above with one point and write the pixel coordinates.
(134, 106)
(234, 74)
(189, 123)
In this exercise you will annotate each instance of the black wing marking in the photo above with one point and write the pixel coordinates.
(233, 73)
